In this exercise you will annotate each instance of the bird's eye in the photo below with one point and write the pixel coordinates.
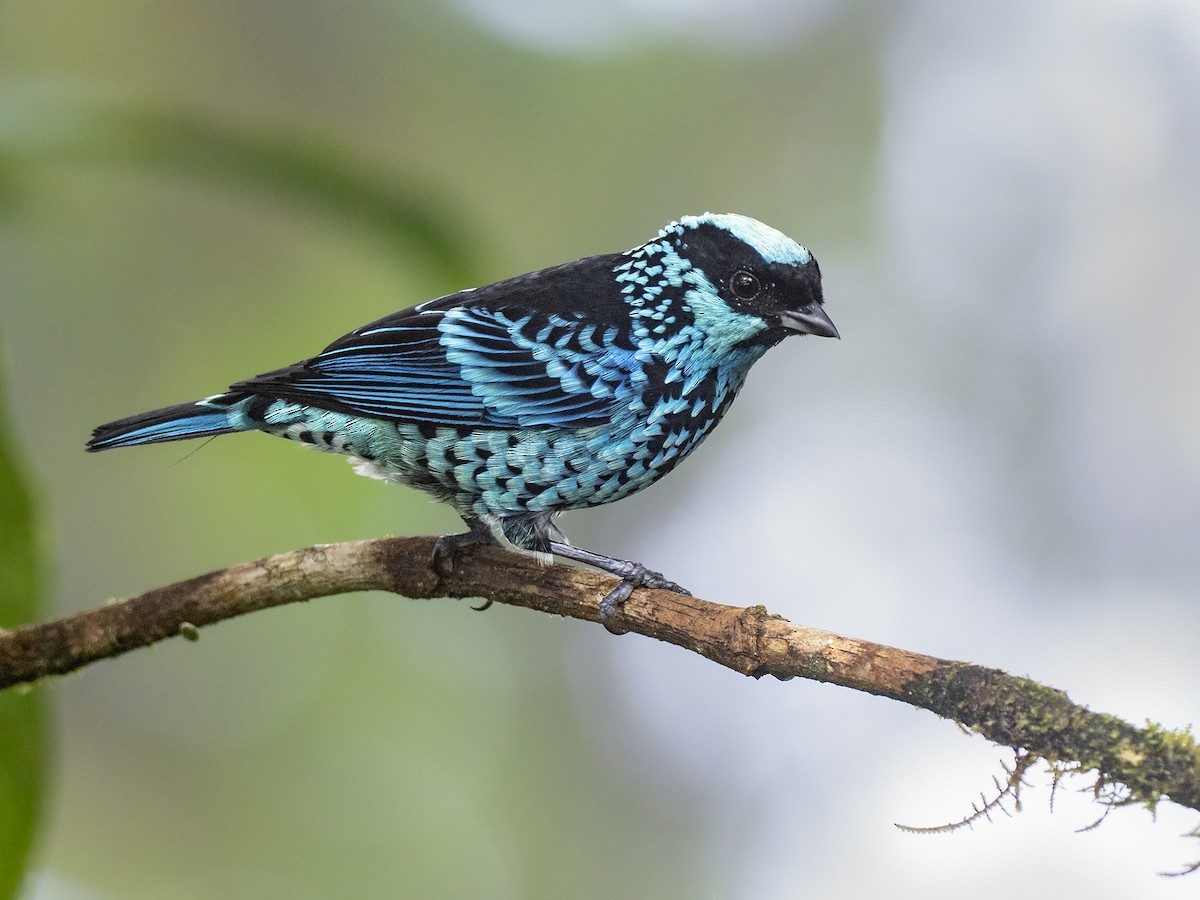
(744, 285)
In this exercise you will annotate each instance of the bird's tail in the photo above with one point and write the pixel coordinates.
(172, 423)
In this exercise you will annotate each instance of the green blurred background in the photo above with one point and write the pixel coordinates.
(999, 462)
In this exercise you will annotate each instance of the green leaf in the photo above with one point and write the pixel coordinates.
(23, 733)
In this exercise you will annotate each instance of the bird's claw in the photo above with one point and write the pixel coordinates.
(660, 582)
(442, 561)
(613, 601)
(637, 576)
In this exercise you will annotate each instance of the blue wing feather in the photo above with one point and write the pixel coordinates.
(466, 366)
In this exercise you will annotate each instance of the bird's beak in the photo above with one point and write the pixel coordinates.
(809, 320)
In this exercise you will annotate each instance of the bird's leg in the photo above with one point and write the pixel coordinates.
(633, 575)
(536, 532)
(447, 545)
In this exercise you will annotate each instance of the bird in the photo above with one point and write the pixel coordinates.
(560, 389)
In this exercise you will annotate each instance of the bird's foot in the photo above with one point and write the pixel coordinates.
(633, 576)
(448, 545)
(613, 601)
(656, 580)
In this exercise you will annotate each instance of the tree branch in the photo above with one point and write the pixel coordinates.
(1144, 764)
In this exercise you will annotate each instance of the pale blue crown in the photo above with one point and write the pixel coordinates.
(774, 246)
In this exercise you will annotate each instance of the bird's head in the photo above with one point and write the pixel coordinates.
(755, 279)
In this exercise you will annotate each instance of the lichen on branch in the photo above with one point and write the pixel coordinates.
(1146, 765)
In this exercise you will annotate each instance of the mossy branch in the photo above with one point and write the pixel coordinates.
(1145, 765)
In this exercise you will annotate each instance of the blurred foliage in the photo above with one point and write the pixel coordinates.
(45, 123)
(23, 739)
(196, 192)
